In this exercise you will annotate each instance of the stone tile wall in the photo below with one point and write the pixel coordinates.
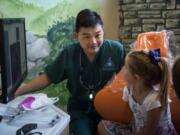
(137, 16)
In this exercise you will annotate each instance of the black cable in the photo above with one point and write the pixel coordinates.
(26, 128)
(35, 133)
(1, 117)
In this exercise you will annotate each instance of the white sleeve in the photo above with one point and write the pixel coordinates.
(152, 102)
(125, 96)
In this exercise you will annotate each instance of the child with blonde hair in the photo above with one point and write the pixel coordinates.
(149, 104)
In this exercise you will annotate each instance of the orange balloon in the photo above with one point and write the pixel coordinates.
(109, 103)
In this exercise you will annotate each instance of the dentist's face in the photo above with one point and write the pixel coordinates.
(90, 38)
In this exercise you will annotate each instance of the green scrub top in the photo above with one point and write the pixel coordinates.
(85, 78)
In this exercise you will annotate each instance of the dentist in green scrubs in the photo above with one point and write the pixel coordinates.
(87, 65)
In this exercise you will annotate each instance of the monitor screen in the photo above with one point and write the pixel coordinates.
(13, 61)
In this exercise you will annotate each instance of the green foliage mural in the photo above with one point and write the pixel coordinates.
(53, 20)
(61, 34)
(38, 19)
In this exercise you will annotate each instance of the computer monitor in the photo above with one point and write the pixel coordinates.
(13, 58)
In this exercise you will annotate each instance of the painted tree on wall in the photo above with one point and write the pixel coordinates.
(61, 34)
(41, 14)
(59, 31)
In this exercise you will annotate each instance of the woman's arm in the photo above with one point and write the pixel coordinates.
(39, 82)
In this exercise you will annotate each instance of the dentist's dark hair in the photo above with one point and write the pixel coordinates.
(87, 18)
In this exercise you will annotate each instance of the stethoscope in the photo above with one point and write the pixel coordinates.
(26, 130)
(89, 87)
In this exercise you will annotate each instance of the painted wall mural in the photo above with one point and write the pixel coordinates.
(42, 14)
(49, 27)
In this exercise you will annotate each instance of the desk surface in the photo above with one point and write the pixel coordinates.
(41, 117)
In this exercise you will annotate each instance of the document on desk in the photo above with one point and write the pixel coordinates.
(47, 120)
